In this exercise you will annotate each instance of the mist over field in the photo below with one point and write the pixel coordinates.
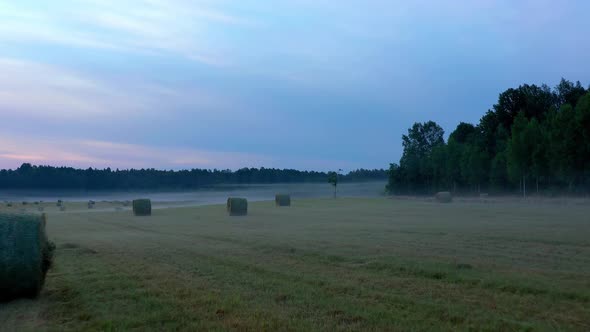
(211, 195)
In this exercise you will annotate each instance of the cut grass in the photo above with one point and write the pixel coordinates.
(346, 264)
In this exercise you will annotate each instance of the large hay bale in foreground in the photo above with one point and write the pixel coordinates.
(142, 207)
(444, 197)
(282, 200)
(237, 206)
(25, 255)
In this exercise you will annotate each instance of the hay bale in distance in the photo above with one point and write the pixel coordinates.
(444, 197)
(237, 206)
(142, 207)
(282, 200)
(25, 255)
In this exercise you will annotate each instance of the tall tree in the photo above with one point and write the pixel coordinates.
(565, 140)
(567, 92)
(499, 163)
(519, 152)
(418, 145)
(537, 149)
(475, 163)
(333, 180)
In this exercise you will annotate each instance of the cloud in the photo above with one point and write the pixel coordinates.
(89, 153)
(101, 154)
(29, 90)
(140, 26)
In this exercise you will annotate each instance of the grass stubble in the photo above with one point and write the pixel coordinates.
(345, 264)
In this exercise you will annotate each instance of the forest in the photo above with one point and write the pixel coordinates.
(534, 140)
(28, 176)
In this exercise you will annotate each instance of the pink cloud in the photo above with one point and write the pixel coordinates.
(102, 154)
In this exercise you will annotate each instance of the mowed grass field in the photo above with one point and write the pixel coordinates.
(344, 264)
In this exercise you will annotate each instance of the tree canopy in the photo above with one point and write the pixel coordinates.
(533, 135)
(28, 176)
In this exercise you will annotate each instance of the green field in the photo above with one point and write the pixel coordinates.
(345, 264)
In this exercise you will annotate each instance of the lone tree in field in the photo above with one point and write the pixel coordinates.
(333, 180)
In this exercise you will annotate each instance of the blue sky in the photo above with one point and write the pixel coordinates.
(292, 84)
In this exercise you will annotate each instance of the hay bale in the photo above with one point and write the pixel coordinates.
(444, 197)
(9, 204)
(142, 207)
(25, 255)
(237, 206)
(282, 200)
(90, 205)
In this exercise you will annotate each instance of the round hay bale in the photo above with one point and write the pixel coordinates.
(444, 197)
(237, 206)
(282, 200)
(25, 255)
(142, 207)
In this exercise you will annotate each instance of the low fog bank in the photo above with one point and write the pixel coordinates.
(213, 195)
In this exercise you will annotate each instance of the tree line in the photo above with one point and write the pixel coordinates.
(534, 139)
(28, 176)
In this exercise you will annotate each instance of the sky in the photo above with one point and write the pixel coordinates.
(305, 84)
